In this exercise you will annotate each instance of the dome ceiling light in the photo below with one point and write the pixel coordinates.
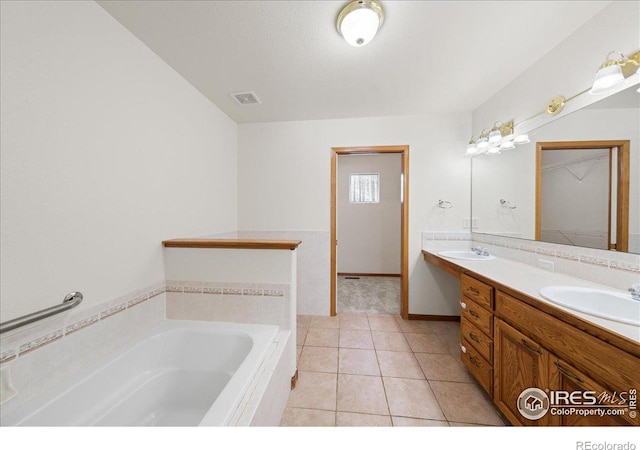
(359, 21)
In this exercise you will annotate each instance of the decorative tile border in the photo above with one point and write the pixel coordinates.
(601, 258)
(594, 261)
(231, 291)
(273, 293)
(627, 267)
(252, 292)
(210, 290)
(29, 343)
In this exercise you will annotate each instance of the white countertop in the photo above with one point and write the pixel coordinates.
(529, 280)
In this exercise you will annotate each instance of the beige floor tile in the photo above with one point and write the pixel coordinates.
(300, 417)
(415, 326)
(452, 343)
(319, 359)
(399, 365)
(322, 337)
(362, 394)
(383, 340)
(314, 390)
(348, 419)
(412, 398)
(325, 322)
(356, 339)
(301, 334)
(354, 322)
(465, 402)
(411, 422)
(384, 323)
(358, 362)
(441, 367)
(425, 343)
(446, 327)
(303, 321)
(298, 351)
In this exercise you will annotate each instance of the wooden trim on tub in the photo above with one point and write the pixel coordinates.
(349, 274)
(434, 317)
(294, 380)
(266, 244)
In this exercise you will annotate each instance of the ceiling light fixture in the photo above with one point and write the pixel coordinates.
(612, 72)
(359, 21)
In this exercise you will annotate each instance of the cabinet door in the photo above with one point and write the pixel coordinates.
(519, 364)
(564, 377)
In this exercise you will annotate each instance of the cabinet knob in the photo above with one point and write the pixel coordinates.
(463, 348)
(463, 305)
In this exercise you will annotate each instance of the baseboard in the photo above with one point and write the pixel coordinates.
(344, 274)
(434, 317)
(294, 380)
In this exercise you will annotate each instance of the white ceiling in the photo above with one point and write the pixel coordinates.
(429, 56)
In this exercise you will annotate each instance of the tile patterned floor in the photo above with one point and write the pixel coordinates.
(380, 370)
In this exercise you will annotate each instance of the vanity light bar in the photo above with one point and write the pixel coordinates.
(501, 136)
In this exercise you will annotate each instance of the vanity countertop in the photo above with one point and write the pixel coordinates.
(528, 280)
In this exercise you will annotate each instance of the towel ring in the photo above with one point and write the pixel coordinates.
(506, 204)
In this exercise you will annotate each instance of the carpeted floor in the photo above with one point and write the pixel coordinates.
(369, 295)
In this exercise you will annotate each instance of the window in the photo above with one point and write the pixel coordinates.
(364, 188)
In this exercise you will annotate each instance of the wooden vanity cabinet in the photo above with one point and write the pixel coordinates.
(511, 341)
(520, 363)
(562, 376)
(476, 330)
(528, 343)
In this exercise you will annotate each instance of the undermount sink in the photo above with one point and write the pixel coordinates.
(465, 254)
(611, 305)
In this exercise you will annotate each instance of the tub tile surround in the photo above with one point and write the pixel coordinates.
(313, 266)
(609, 268)
(39, 356)
(260, 303)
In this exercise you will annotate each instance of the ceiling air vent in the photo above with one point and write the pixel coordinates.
(245, 98)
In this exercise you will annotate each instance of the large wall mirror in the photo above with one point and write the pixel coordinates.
(576, 183)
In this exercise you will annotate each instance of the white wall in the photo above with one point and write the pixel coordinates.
(105, 151)
(369, 233)
(284, 187)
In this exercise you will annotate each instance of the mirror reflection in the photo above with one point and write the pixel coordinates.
(575, 183)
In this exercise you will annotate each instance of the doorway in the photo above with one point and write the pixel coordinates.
(582, 193)
(363, 188)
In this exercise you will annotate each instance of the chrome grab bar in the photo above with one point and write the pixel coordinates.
(71, 300)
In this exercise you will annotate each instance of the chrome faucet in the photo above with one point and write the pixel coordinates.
(635, 291)
(482, 251)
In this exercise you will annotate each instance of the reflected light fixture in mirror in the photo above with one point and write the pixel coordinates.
(611, 72)
(500, 138)
(359, 21)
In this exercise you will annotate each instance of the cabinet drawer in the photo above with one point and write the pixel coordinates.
(479, 368)
(477, 339)
(478, 291)
(479, 317)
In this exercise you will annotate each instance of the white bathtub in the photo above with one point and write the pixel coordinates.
(182, 373)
